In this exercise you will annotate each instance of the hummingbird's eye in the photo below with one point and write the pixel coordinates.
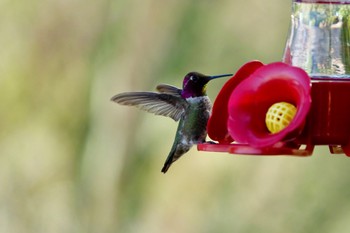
(194, 78)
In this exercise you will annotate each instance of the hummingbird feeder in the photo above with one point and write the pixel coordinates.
(289, 107)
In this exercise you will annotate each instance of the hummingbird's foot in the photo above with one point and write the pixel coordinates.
(211, 142)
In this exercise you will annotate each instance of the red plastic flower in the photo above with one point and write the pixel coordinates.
(240, 109)
(217, 124)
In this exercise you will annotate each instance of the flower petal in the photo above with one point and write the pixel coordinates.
(217, 124)
(250, 100)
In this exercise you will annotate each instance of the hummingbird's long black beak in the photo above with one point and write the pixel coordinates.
(219, 76)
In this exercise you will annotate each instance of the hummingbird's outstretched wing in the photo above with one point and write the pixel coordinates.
(168, 89)
(157, 103)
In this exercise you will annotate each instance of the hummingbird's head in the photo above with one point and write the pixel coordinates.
(194, 84)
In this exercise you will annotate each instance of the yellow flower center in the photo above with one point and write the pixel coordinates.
(279, 116)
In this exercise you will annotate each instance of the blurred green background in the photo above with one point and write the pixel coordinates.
(73, 161)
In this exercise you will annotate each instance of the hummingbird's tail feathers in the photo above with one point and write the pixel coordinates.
(157, 103)
(169, 160)
(166, 167)
(176, 152)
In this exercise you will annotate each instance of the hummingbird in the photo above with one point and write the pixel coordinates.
(189, 105)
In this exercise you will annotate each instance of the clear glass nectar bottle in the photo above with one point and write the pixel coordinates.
(319, 42)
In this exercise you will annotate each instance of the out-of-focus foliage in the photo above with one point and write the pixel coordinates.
(72, 161)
